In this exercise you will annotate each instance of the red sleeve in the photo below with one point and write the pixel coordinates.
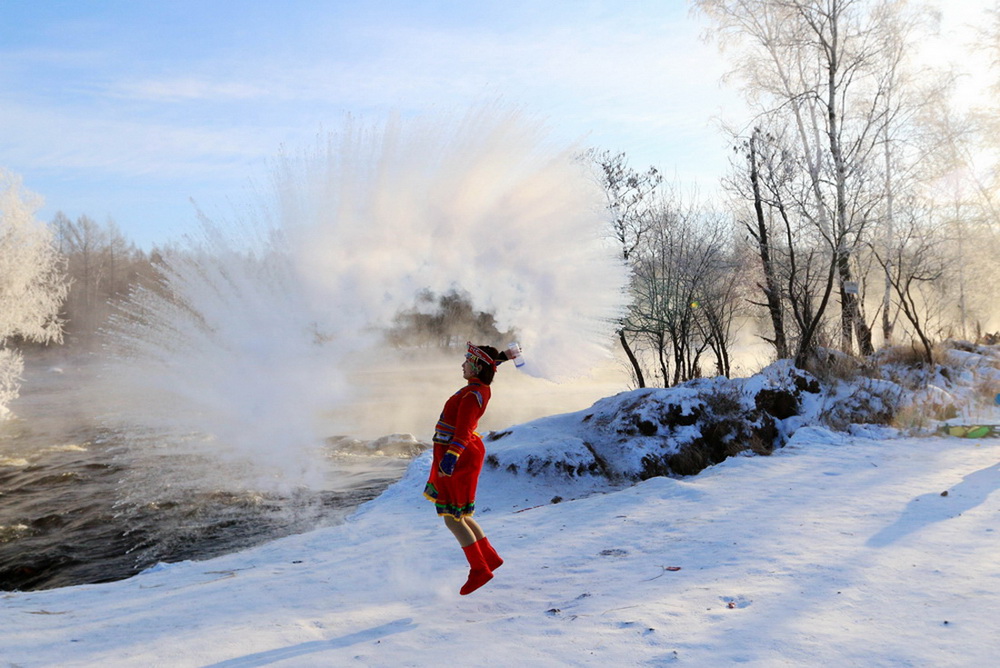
(470, 409)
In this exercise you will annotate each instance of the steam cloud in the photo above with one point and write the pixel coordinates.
(260, 339)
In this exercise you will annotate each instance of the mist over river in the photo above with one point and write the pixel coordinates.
(78, 504)
(82, 501)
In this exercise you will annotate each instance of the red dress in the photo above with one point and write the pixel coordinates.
(455, 495)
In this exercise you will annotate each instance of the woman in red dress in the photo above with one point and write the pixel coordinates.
(458, 460)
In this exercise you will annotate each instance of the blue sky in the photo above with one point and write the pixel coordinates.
(129, 110)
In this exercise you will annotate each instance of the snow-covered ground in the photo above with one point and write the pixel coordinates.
(859, 548)
(835, 551)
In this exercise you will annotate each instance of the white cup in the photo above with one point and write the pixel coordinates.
(514, 354)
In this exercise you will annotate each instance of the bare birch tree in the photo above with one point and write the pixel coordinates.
(829, 69)
(760, 159)
(914, 268)
(686, 284)
(794, 251)
(630, 196)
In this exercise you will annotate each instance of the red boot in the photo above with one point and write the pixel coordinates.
(479, 572)
(493, 559)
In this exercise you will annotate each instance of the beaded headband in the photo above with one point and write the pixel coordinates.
(476, 353)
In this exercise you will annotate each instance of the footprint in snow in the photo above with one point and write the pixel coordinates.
(615, 552)
(733, 602)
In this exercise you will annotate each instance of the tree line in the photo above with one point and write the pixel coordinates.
(860, 208)
(101, 266)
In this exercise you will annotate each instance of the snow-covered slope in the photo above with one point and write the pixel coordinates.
(837, 550)
(861, 547)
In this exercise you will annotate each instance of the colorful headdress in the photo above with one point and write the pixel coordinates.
(477, 353)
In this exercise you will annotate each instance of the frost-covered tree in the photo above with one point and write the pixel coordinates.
(840, 84)
(32, 282)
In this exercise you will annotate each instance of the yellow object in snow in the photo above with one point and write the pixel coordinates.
(972, 430)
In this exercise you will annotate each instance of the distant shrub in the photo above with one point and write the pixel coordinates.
(910, 357)
(828, 366)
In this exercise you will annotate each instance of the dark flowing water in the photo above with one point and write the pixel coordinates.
(77, 505)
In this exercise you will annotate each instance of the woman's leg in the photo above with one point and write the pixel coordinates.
(476, 529)
(465, 535)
